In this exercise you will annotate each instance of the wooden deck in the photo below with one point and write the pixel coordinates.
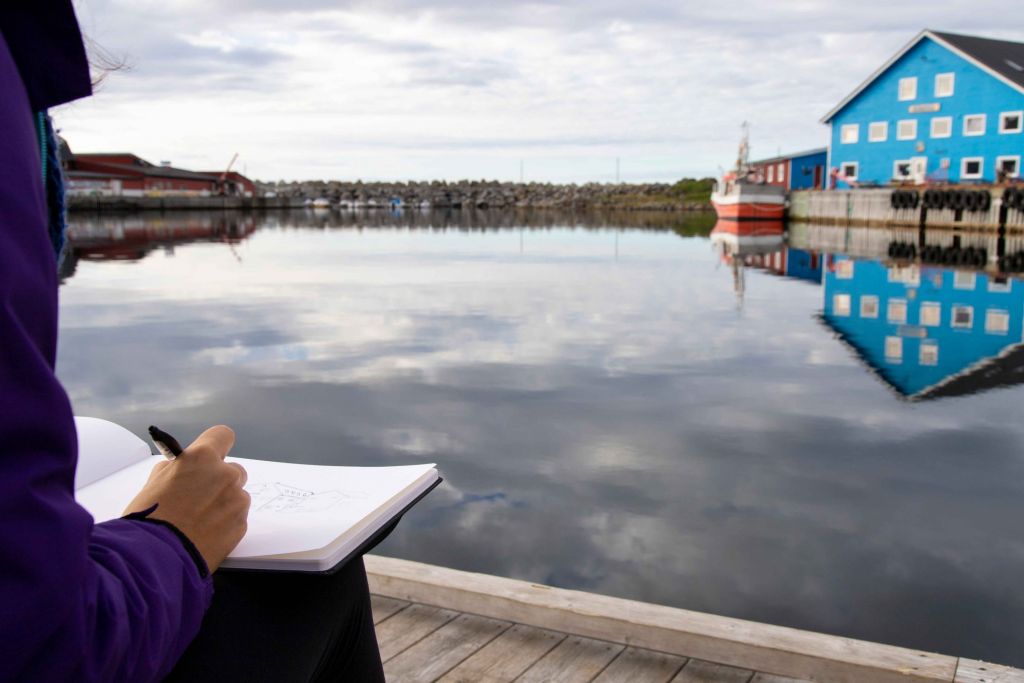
(438, 624)
(422, 644)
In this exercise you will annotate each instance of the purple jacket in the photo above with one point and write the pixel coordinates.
(117, 601)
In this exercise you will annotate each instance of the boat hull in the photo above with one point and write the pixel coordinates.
(745, 202)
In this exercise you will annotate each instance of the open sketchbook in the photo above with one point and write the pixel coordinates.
(303, 517)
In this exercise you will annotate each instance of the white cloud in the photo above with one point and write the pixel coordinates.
(451, 89)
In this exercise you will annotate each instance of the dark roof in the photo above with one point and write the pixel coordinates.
(1002, 56)
(795, 155)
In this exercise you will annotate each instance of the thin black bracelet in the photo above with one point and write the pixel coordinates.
(190, 547)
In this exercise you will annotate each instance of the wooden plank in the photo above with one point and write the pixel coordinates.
(575, 660)
(408, 627)
(384, 607)
(641, 666)
(506, 657)
(745, 644)
(976, 671)
(443, 650)
(698, 671)
(772, 678)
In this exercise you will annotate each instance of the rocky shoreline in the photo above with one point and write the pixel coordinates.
(686, 195)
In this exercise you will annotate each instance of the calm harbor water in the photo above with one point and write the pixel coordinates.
(616, 405)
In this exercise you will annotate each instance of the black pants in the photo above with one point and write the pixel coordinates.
(283, 627)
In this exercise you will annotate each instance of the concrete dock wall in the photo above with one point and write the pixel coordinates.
(874, 207)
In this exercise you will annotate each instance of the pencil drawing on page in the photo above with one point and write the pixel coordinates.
(278, 497)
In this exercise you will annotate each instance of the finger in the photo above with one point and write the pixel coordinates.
(243, 476)
(216, 441)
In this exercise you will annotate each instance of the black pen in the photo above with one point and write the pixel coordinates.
(165, 443)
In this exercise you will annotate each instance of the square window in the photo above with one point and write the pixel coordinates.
(974, 124)
(929, 354)
(844, 269)
(841, 304)
(999, 284)
(896, 311)
(908, 89)
(931, 314)
(849, 133)
(970, 168)
(906, 129)
(996, 321)
(1008, 167)
(869, 306)
(942, 126)
(894, 349)
(848, 170)
(878, 131)
(908, 275)
(901, 170)
(944, 85)
(964, 279)
(963, 317)
(1011, 122)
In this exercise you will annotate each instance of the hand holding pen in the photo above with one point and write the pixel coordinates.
(198, 492)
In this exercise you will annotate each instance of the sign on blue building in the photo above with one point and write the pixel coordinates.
(946, 108)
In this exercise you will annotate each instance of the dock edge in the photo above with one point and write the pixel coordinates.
(760, 647)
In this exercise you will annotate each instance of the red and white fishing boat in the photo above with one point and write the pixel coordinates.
(743, 195)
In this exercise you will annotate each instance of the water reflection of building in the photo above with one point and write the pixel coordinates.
(132, 237)
(928, 332)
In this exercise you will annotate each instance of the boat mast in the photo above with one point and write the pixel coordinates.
(743, 156)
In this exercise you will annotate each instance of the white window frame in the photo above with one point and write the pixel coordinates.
(1002, 122)
(844, 269)
(889, 317)
(1000, 287)
(856, 170)
(925, 347)
(964, 175)
(949, 77)
(871, 300)
(961, 326)
(899, 131)
(1009, 157)
(881, 137)
(854, 134)
(771, 173)
(896, 175)
(948, 120)
(780, 171)
(907, 89)
(894, 349)
(984, 125)
(965, 280)
(842, 311)
(990, 328)
(930, 306)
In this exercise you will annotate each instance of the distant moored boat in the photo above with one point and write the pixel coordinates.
(742, 195)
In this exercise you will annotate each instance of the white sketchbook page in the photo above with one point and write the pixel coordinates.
(104, 448)
(295, 508)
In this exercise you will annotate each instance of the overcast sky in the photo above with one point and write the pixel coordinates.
(407, 89)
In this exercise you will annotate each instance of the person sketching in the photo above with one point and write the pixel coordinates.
(138, 598)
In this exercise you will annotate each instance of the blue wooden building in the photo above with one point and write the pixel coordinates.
(946, 107)
(928, 332)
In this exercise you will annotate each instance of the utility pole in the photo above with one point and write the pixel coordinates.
(616, 170)
(520, 171)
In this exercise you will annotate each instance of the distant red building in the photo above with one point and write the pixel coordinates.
(128, 175)
(804, 170)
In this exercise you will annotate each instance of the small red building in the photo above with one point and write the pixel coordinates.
(804, 170)
(127, 175)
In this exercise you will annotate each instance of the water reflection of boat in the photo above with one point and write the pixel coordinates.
(927, 332)
(737, 243)
(742, 195)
